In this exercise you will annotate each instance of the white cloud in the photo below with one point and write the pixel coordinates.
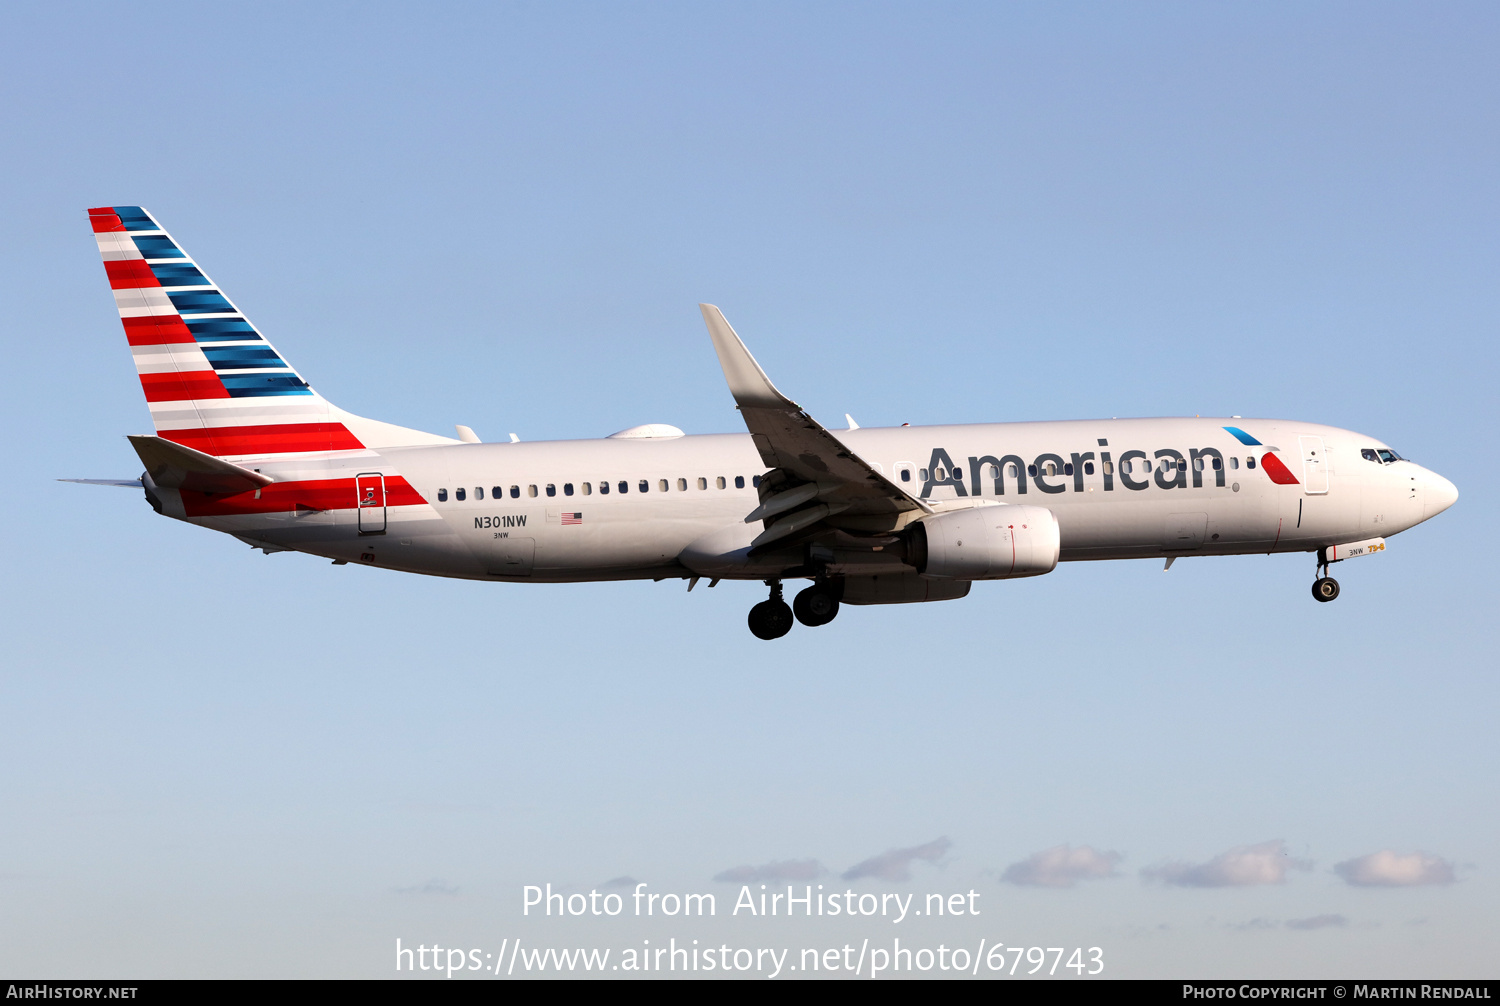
(1318, 922)
(785, 869)
(1062, 866)
(896, 864)
(1243, 866)
(1389, 869)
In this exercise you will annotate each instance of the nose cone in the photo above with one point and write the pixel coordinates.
(1438, 494)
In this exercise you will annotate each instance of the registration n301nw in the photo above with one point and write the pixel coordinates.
(244, 445)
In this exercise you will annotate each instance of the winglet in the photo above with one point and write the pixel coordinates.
(747, 382)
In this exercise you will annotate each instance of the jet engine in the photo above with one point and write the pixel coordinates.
(985, 543)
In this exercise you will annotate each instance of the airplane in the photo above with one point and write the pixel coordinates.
(244, 445)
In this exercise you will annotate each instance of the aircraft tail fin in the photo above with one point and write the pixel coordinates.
(212, 381)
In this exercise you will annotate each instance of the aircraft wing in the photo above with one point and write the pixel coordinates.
(816, 476)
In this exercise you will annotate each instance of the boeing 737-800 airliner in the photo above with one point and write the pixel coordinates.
(245, 446)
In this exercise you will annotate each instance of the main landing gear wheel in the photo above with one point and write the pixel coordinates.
(1325, 588)
(772, 618)
(817, 605)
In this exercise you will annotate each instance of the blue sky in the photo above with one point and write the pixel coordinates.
(222, 763)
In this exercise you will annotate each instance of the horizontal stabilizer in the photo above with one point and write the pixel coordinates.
(122, 483)
(173, 466)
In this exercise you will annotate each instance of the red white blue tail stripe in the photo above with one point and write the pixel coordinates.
(212, 381)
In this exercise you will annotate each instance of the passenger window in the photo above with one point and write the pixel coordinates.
(662, 485)
(1197, 464)
(531, 491)
(922, 474)
(645, 486)
(1031, 470)
(1126, 467)
(1068, 468)
(588, 489)
(567, 488)
(551, 489)
(624, 487)
(1250, 462)
(703, 483)
(515, 492)
(442, 495)
(1109, 467)
(940, 473)
(682, 485)
(906, 475)
(994, 471)
(497, 492)
(720, 482)
(479, 492)
(1015, 471)
(1182, 466)
(1088, 468)
(1234, 463)
(458, 494)
(1218, 464)
(603, 488)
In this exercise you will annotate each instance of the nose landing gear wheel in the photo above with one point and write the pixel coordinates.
(1325, 588)
(815, 606)
(771, 618)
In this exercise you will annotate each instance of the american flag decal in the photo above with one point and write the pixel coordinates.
(572, 518)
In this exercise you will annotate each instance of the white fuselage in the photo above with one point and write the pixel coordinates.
(535, 511)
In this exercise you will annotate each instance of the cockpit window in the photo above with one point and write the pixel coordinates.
(1368, 454)
(1383, 455)
(1388, 455)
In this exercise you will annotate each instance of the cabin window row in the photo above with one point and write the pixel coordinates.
(603, 488)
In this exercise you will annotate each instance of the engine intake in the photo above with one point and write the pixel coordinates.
(986, 543)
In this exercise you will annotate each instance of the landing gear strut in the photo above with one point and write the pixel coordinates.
(818, 604)
(771, 618)
(1325, 587)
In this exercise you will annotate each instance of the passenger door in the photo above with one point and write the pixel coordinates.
(369, 489)
(1314, 465)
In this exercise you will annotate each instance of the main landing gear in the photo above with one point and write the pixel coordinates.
(1325, 587)
(816, 605)
(771, 618)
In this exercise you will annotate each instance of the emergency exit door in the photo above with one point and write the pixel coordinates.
(369, 488)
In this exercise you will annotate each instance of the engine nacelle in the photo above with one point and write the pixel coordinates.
(986, 543)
